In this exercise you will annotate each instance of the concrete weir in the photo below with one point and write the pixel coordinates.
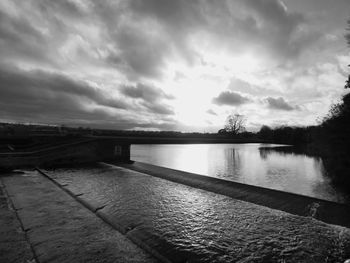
(323, 210)
(178, 223)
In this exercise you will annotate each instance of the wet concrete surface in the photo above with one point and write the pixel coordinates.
(186, 224)
(60, 229)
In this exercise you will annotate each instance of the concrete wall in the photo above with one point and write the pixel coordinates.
(92, 150)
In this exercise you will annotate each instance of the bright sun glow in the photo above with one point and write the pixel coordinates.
(195, 87)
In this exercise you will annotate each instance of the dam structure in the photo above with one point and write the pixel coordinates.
(88, 189)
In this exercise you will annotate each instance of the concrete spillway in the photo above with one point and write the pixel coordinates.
(327, 211)
(180, 223)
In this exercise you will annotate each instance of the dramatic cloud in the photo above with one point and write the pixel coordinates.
(261, 26)
(230, 98)
(279, 104)
(140, 53)
(38, 96)
(36, 87)
(145, 92)
(19, 39)
(278, 26)
(162, 63)
(151, 98)
(158, 108)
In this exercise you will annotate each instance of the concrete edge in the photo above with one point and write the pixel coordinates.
(155, 169)
(323, 210)
(105, 218)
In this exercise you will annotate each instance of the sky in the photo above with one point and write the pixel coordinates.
(171, 64)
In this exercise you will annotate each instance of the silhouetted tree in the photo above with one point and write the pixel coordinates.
(265, 133)
(340, 112)
(334, 141)
(235, 124)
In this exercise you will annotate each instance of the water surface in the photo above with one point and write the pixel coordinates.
(256, 164)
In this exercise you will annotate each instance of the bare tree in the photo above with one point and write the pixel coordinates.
(235, 124)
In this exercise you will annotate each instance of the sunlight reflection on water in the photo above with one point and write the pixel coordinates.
(256, 164)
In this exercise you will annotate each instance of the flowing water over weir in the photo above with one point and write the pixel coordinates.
(185, 224)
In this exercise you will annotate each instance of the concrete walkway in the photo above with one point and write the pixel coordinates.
(14, 246)
(48, 225)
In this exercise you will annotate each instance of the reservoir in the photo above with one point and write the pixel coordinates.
(265, 165)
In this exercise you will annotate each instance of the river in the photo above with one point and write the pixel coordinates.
(256, 164)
